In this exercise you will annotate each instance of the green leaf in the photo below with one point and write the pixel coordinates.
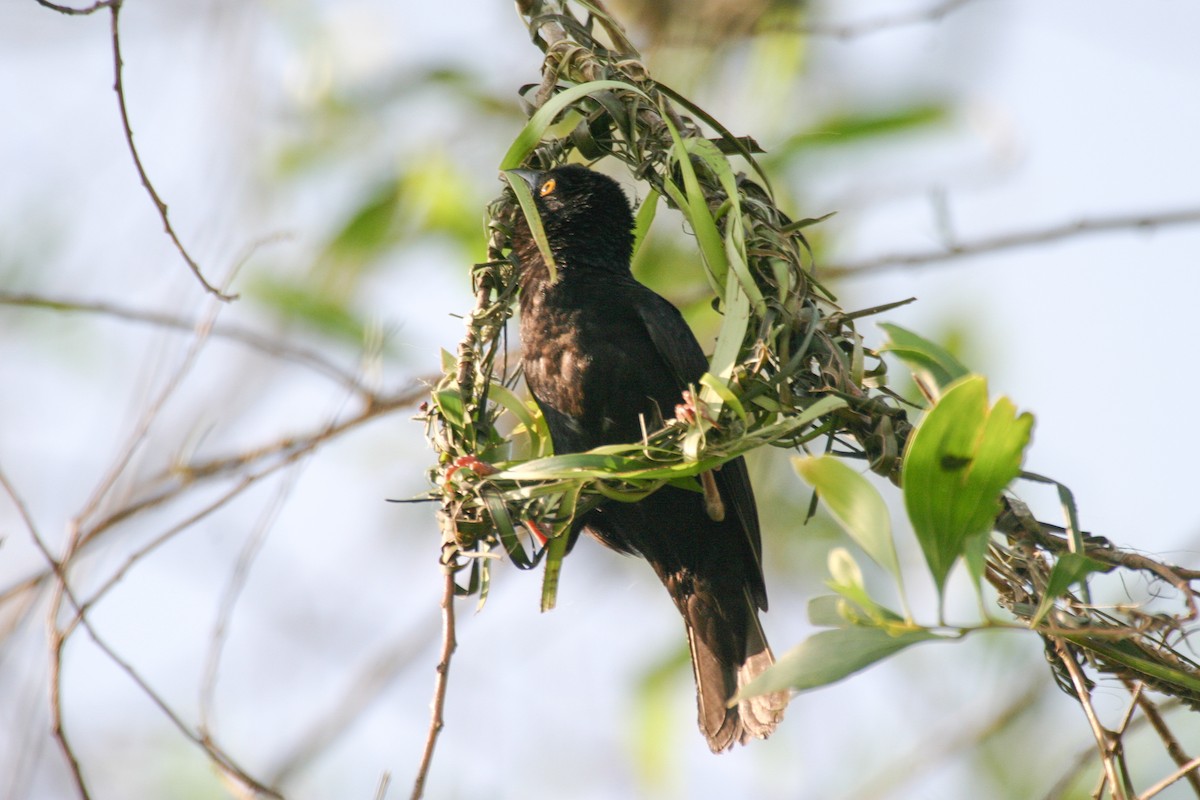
(958, 461)
(1069, 569)
(801, 224)
(692, 203)
(450, 403)
(740, 145)
(727, 396)
(506, 530)
(826, 611)
(539, 438)
(844, 569)
(532, 133)
(858, 606)
(930, 361)
(855, 504)
(724, 359)
(735, 237)
(556, 548)
(645, 218)
(529, 208)
(449, 362)
(828, 656)
(846, 129)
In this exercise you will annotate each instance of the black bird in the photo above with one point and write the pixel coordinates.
(602, 353)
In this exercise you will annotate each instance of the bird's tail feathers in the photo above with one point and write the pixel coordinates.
(762, 713)
(717, 681)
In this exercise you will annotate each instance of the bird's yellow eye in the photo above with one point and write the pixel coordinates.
(547, 187)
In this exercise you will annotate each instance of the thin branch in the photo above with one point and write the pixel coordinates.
(1187, 769)
(229, 599)
(57, 639)
(170, 533)
(57, 643)
(385, 780)
(234, 333)
(218, 756)
(1084, 757)
(1104, 737)
(184, 477)
(850, 30)
(79, 12)
(118, 86)
(287, 445)
(142, 428)
(1177, 754)
(247, 480)
(1010, 241)
(439, 692)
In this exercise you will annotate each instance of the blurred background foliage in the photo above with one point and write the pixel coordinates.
(350, 149)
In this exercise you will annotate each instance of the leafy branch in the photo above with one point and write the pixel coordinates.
(789, 366)
(789, 370)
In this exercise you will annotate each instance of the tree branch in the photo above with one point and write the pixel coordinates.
(168, 486)
(1010, 241)
(118, 86)
(57, 639)
(1106, 742)
(79, 12)
(234, 333)
(449, 643)
(1177, 754)
(1187, 769)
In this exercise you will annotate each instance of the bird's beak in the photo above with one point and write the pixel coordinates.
(530, 176)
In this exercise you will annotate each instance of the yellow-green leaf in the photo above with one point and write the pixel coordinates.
(855, 504)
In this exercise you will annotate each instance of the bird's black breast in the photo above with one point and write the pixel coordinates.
(591, 363)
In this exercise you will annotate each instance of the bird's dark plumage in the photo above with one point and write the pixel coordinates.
(601, 352)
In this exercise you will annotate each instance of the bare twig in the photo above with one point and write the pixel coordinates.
(1106, 743)
(184, 477)
(118, 86)
(385, 780)
(237, 582)
(56, 637)
(219, 757)
(142, 428)
(1187, 769)
(1084, 757)
(57, 643)
(1009, 241)
(170, 533)
(850, 30)
(1177, 754)
(439, 691)
(79, 12)
(277, 348)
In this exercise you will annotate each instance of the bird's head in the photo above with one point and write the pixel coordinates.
(585, 214)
